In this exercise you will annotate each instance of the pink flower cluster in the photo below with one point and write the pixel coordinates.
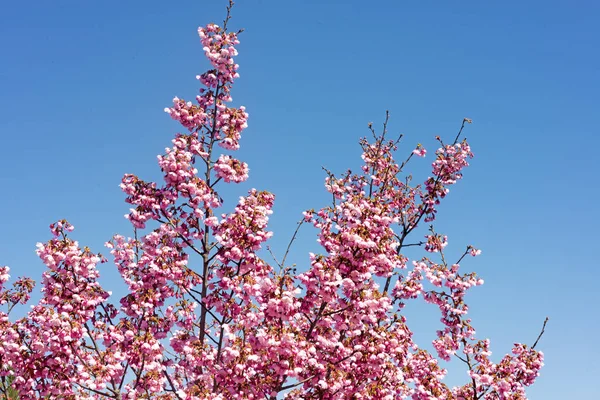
(420, 151)
(447, 170)
(189, 115)
(230, 169)
(435, 243)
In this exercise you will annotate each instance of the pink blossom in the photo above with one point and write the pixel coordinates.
(420, 151)
(230, 169)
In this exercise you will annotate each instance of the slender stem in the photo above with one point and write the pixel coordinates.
(541, 333)
(291, 241)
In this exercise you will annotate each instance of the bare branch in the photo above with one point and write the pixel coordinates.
(541, 333)
(292, 241)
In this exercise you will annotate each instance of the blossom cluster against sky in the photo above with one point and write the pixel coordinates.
(84, 85)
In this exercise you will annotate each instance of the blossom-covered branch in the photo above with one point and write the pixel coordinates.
(206, 317)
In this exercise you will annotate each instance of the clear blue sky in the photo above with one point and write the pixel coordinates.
(83, 85)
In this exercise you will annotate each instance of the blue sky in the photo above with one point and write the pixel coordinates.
(84, 85)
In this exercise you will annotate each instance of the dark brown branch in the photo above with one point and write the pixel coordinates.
(413, 244)
(172, 385)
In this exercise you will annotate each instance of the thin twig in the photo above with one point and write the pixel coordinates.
(414, 244)
(461, 129)
(541, 333)
(273, 256)
(291, 241)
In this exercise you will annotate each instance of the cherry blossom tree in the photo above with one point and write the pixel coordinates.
(207, 317)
